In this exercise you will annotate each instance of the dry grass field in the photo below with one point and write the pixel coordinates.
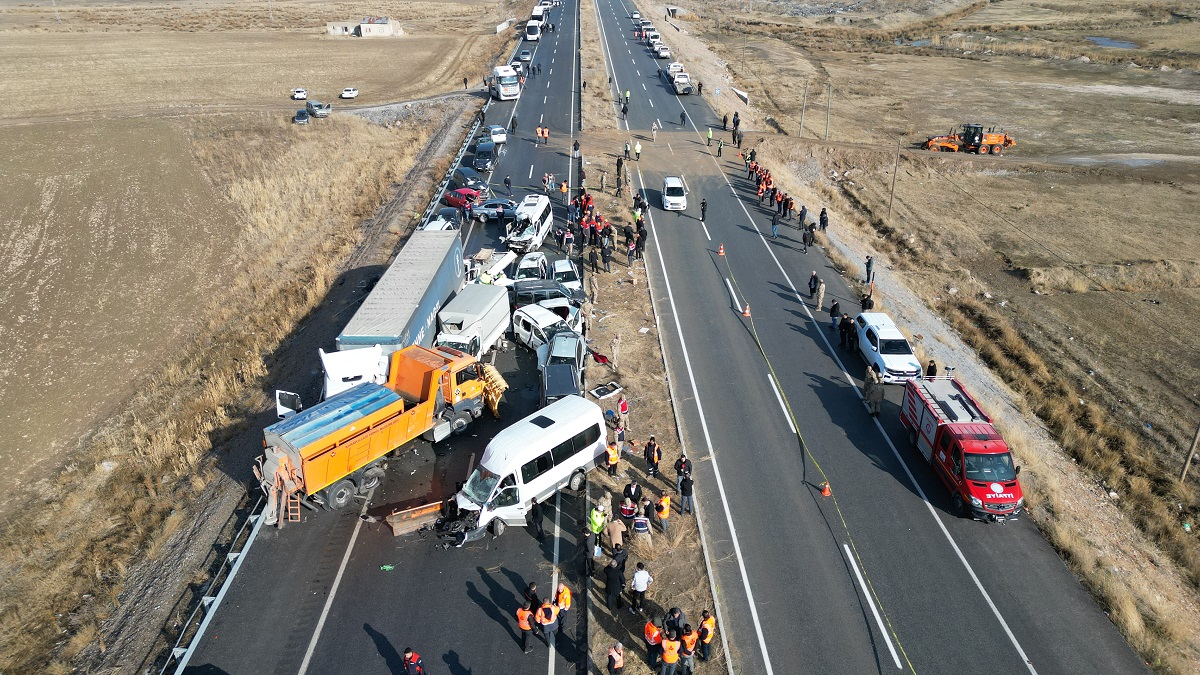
(1069, 265)
(166, 229)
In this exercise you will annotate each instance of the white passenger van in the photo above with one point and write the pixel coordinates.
(551, 449)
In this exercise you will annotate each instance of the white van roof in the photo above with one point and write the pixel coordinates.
(531, 205)
(549, 426)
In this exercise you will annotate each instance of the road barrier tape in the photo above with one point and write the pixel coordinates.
(804, 449)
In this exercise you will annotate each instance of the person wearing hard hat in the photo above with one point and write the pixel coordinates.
(597, 519)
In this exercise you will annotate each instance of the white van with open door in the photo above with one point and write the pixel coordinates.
(551, 449)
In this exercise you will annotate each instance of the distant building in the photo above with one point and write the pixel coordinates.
(370, 26)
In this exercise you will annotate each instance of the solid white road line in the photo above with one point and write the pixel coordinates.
(687, 360)
(786, 416)
(871, 601)
(732, 295)
(337, 581)
(702, 225)
(879, 426)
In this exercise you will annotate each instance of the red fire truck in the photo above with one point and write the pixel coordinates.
(967, 453)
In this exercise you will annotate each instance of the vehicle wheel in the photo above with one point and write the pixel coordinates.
(340, 494)
(984, 150)
(576, 483)
(460, 422)
(371, 478)
(935, 148)
(997, 149)
(498, 527)
(960, 507)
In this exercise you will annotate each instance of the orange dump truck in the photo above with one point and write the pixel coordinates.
(332, 451)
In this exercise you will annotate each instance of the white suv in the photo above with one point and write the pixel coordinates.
(674, 194)
(885, 348)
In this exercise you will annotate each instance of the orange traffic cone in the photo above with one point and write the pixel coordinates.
(746, 312)
(721, 251)
(825, 491)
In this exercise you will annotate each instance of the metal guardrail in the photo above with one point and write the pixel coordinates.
(462, 152)
(181, 652)
(185, 645)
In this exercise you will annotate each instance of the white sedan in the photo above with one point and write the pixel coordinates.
(349, 92)
(299, 94)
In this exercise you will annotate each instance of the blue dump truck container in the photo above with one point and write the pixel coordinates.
(402, 308)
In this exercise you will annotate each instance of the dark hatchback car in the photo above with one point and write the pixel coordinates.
(466, 177)
(485, 156)
(558, 381)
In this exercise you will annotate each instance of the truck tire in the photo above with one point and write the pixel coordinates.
(576, 483)
(371, 478)
(498, 527)
(935, 148)
(340, 494)
(997, 149)
(960, 507)
(983, 150)
(460, 422)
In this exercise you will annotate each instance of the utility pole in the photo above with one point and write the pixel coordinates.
(743, 52)
(895, 170)
(1187, 463)
(803, 103)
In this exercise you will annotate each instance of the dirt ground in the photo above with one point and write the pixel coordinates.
(95, 287)
(166, 230)
(623, 308)
(1065, 262)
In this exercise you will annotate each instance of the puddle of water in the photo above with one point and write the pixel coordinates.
(1115, 44)
(915, 43)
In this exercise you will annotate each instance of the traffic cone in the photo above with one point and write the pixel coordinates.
(721, 251)
(825, 491)
(746, 312)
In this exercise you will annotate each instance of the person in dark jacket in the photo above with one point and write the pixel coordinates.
(620, 556)
(835, 313)
(685, 491)
(641, 245)
(683, 466)
(931, 370)
(824, 220)
(867, 302)
(589, 546)
(535, 518)
(614, 584)
(594, 259)
(845, 328)
(633, 491)
(675, 620)
(813, 280)
(606, 254)
(412, 664)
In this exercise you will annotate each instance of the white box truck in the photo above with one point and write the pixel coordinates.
(475, 320)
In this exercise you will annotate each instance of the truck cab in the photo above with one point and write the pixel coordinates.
(964, 449)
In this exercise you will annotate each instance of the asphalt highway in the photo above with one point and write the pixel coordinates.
(880, 577)
(336, 593)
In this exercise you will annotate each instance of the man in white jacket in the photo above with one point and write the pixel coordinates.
(641, 582)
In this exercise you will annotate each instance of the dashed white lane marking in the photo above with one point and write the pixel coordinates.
(530, 172)
(705, 227)
(651, 102)
(644, 87)
(779, 398)
(732, 295)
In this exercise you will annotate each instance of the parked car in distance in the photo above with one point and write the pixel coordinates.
(663, 51)
(636, 16)
(349, 92)
(499, 209)
(526, 56)
(301, 117)
(299, 94)
(885, 348)
(532, 266)
(674, 194)
(495, 133)
(485, 156)
(461, 197)
(466, 177)
(566, 273)
(318, 109)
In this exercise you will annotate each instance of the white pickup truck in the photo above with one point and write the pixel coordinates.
(682, 84)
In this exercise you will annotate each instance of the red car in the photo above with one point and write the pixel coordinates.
(460, 197)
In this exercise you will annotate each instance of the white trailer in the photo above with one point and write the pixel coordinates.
(475, 320)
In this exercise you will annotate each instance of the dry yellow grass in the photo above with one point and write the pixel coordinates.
(62, 567)
(596, 95)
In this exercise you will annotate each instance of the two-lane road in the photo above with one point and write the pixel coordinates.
(878, 578)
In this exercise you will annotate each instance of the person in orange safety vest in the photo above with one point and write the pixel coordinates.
(663, 510)
(653, 634)
(708, 630)
(670, 653)
(562, 600)
(524, 615)
(616, 659)
(614, 457)
(547, 618)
